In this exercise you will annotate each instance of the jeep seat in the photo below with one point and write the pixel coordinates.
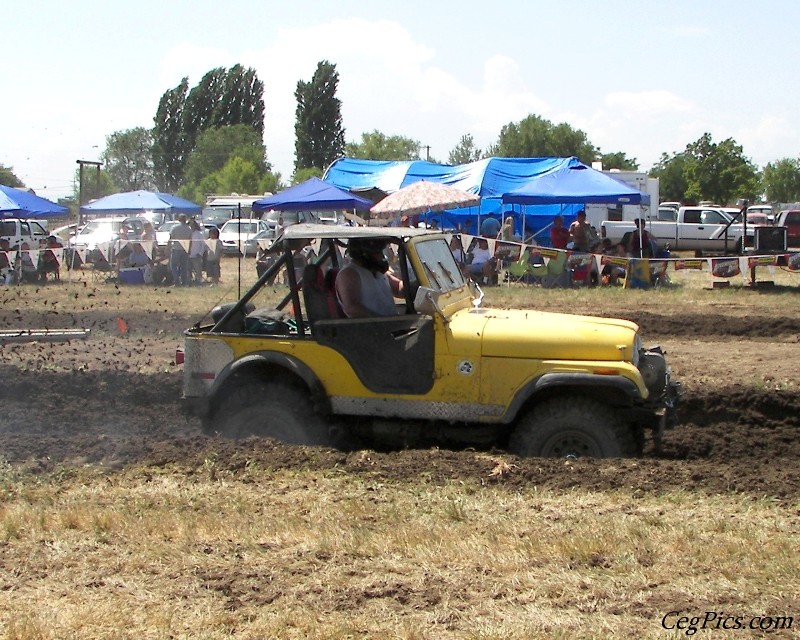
(319, 293)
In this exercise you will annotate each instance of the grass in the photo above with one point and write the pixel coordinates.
(268, 556)
(258, 553)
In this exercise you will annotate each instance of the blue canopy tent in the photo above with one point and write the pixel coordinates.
(569, 186)
(313, 195)
(18, 203)
(575, 183)
(131, 202)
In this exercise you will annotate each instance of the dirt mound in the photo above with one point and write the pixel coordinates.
(731, 439)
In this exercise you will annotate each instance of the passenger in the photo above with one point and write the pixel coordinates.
(363, 287)
(580, 233)
(559, 234)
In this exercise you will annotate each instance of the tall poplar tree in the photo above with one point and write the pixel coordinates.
(319, 134)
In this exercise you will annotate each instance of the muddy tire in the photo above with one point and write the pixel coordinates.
(573, 428)
(274, 410)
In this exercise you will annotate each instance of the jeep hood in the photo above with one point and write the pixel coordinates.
(518, 333)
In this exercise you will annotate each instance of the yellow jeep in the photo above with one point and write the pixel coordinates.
(443, 369)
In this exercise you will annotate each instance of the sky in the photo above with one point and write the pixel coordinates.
(644, 78)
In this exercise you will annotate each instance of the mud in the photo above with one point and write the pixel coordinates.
(114, 401)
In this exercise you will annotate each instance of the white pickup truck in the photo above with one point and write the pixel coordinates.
(699, 229)
(17, 231)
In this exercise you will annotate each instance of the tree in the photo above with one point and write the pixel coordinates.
(217, 145)
(319, 134)
(672, 184)
(618, 160)
(535, 136)
(706, 170)
(782, 180)
(128, 157)
(719, 171)
(169, 141)
(7, 177)
(221, 98)
(465, 151)
(377, 146)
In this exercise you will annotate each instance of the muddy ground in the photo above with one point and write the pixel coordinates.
(113, 400)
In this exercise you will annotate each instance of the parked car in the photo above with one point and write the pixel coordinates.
(252, 245)
(289, 217)
(790, 218)
(234, 235)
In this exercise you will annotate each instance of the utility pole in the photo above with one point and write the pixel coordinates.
(427, 151)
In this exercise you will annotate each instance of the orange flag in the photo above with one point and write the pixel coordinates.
(123, 326)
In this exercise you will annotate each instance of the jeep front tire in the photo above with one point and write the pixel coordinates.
(567, 427)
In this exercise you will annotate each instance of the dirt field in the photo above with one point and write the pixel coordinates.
(113, 399)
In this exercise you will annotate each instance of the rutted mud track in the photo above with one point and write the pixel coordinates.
(733, 436)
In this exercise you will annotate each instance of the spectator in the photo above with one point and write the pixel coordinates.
(639, 242)
(482, 262)
(507, 232)
(6, 266)
(363, 287)
(50, 258)
(490, 227)
(179, 254)
(26, 269)
(612, 273)
(213, 256)
(559, 234)
(138, 256)
(457, 250)
(197, 252)
(580, 233)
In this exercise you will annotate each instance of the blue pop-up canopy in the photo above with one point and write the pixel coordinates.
(140, 201)
(575, 183)
(15, 202)
(313, 195)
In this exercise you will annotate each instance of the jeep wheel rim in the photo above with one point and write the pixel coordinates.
(571, 445)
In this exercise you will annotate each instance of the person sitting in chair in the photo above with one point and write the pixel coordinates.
(363, 287)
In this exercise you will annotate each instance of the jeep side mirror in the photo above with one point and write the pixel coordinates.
(426, 302)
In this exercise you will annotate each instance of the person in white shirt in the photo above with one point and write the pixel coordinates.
(483, 262)
(197, 251)
(363, 287)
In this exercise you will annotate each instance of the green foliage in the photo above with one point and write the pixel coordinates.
(96, 183)
(228, 159)
(535, 136)
(222, 98)
(782, 180)
(465, 151)
(301, 175)
(7, 177)
(619, 160)
(128, 158)
(169, 142)
(672, 180)
(707, 170)
(319, 134)
(378, 146)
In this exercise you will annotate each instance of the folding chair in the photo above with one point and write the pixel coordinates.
(519, 271)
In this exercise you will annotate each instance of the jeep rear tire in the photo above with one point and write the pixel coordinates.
(274, 410)
(572, 428)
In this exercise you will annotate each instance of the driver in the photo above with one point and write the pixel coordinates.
(363, 287)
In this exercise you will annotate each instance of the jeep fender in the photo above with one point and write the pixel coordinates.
(250, 364)
(584, 383)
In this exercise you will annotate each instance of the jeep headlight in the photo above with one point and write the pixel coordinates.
(655, 373)
(638, 347)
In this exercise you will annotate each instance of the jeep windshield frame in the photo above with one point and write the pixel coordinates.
(438, 265)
